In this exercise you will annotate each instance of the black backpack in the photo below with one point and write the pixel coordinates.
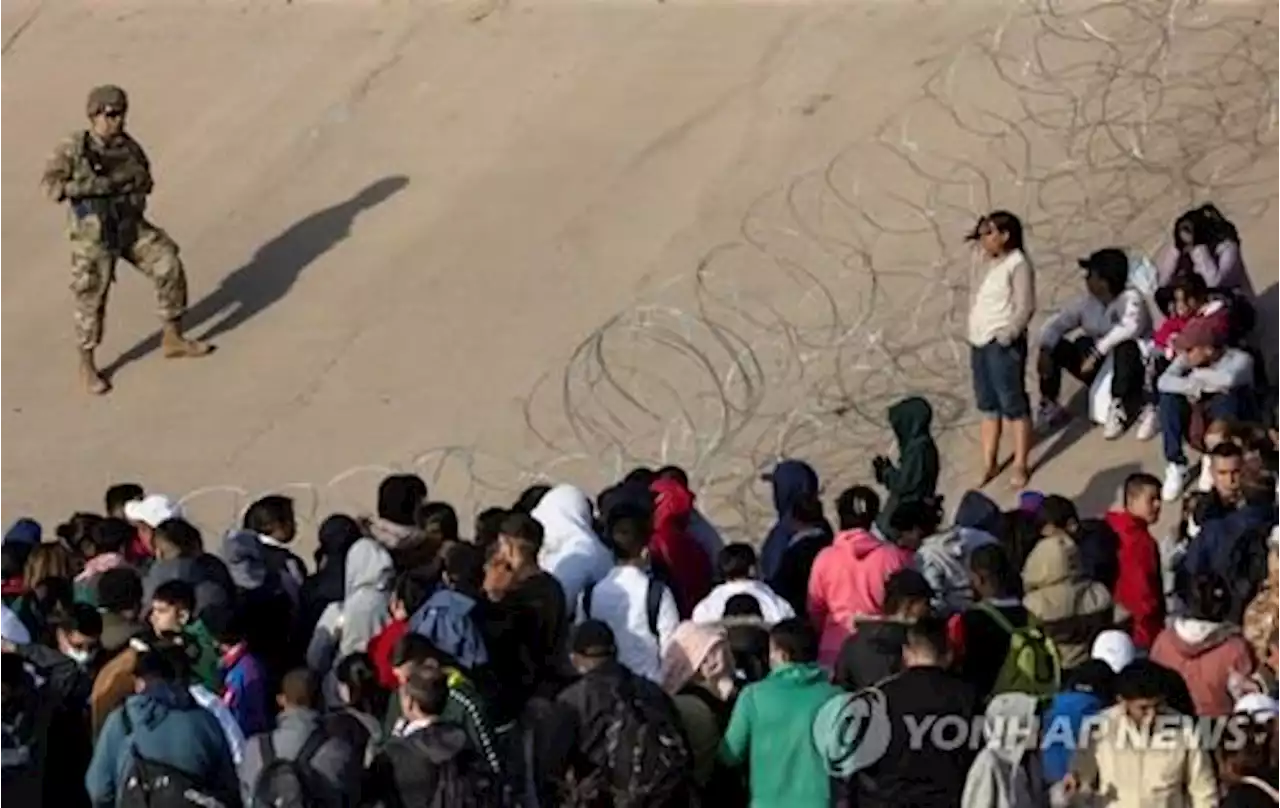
(463, 781)
(288, 783)
(645, 757)
(153, 784)
(652, 603)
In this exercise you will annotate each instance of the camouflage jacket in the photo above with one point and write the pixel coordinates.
(104, 179)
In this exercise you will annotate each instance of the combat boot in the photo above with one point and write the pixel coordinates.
(173, 345)
(93, 380)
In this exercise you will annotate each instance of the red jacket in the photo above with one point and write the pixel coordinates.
(681, 559)
(380, 648)
(1139, 585)
(1205, 654)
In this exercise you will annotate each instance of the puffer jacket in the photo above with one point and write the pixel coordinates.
(943, 560)
(1071, 609)
(1205, 654)
(847, 582)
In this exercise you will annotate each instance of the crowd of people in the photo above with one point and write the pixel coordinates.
(617, 651)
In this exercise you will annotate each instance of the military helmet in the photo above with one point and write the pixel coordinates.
(106, 97)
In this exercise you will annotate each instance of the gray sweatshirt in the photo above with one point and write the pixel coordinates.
(1233, 368)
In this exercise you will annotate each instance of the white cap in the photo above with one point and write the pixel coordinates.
(1115, 648)
(12, 627)
(1258, 706)
(152, 510)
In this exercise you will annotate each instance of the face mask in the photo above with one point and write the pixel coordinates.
(79, 656)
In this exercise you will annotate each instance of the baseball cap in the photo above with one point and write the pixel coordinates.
(1115, 648)
(1258, 706)
(1199, 333)
(592, 638)
(152, 510)
(23, 531)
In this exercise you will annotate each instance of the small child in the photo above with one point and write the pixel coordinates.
(245, 688)
(1191, 300)
(915, 478)
(407, 596)
(172, 610)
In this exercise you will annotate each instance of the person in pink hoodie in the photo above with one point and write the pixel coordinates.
(1206, 650)
(848, 578)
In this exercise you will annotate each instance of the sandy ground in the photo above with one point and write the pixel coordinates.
(505, 240)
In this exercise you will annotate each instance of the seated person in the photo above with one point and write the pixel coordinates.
(1217, 379)
(1190, 301)
(1111, 318)
(1206, 245)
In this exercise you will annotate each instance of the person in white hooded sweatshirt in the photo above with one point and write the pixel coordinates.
(1007, 772)
(571, 550)
(347, 627)
(738, 571)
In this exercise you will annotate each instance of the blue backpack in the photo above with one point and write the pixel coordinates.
(446, 620)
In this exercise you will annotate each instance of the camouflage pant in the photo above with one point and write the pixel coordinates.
(93, 268)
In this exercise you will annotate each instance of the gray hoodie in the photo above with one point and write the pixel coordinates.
(1007, 772)
(345, 628)
(337, 766)
(943, 560)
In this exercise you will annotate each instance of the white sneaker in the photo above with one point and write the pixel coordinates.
(1049, 415)
(1115, 423)
(1175, 478)
(1148, 424)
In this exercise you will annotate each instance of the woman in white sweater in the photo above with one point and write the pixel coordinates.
(1002, 305)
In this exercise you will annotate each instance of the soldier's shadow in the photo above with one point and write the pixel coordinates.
(272, 271)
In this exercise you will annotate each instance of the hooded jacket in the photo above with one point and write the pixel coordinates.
(943, 560)
(1071, 609)
(571, 550)
(1067, 711)
(1007, 772)
(328, 583)
(848, 582)
(1205, 654)
(915, 477)
(407, 770)
(348, 627)
(168, 727)
(1232, 546)
(1139, 583)
(446, 619)
(207, 573)
(1172, 771)
(771, 730)
(792, 481)
(409, 546)
(676, 554)
(336, 766)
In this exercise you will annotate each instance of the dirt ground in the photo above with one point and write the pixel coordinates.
(505, 240)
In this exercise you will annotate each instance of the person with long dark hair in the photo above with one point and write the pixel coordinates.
(1001, 309)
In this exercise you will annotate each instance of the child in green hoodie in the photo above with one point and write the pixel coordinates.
(915, 477)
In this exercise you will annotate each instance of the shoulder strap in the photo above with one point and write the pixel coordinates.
(312, 745)
(124, 719)
(997, 616)
(653, 604)
(587, 592)
(269, 755)
(1263, 786)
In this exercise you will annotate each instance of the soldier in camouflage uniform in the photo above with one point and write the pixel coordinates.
(105, 177)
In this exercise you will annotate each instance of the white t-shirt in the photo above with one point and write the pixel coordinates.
(620, 601)
(773, 608)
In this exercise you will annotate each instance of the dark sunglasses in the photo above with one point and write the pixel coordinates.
(113, 113)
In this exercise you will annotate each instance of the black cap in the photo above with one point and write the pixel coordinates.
(592, 638)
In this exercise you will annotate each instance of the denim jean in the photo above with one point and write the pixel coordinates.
(1175, 417)
(999, 375)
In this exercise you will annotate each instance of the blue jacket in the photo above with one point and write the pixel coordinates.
(446, 620)
(1062, 722)
(1234, 547)
(247, 694)
(792, 480)
(168, 727)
